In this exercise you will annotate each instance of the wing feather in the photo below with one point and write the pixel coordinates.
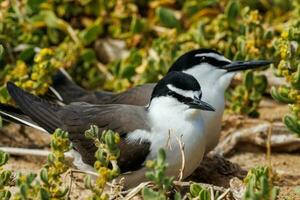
(139, 96)
(78, 117)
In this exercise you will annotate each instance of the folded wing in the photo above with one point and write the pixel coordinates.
(77, 117)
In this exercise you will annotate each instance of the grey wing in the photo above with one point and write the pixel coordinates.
(139, 96)
(77, 117)
(70, 92)
(123, 119)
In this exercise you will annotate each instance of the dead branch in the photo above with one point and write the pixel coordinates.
(30, 152)
(281, 139)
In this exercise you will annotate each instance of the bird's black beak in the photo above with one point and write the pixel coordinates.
(198, 104)
(244, 65)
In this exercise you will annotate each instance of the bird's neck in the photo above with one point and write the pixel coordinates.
(214, 82)
(166, 110)
(213, 85)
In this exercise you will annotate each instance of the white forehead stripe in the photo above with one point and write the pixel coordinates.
(185, 93)
(213, 55)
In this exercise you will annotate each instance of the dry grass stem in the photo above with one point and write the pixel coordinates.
(223, 195)
(30, 152)
(181, 146)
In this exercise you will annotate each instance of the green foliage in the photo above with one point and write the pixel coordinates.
(29, 187)
(5, 177)
(71, 31)
(106, 163)
(163, 184)
(67, 34)
(50, 185)
(259, 181)
(158, 176)
(289, 68)
(167, 17)
(232, 10)
(245, 98)
(259, 185)
(197, 191)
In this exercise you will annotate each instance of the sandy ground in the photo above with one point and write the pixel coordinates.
(286, 165)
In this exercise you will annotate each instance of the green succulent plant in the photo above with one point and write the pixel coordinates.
(197, 191)
(245, 98)
(50, 175)
(50, 184)
(29, 188)
(289, 68)
(106, 163)
(5, 177)
(157, 175)
(259, 185)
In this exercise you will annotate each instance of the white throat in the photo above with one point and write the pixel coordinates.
(213, 83)
(169, 120)
(208, 76)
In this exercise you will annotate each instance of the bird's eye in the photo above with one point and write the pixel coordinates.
(203, 58)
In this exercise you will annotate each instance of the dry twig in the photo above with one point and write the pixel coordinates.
(223, 195)
(181, 146)
(280, 140)
(30, 152)
(136, 190)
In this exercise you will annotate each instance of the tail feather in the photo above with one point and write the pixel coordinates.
(15, 115)
(42, 112)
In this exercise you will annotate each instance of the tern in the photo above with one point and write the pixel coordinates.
(175, 109)
(212, 70)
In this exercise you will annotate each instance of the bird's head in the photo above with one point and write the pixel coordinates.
(210, 67)
(178, 88)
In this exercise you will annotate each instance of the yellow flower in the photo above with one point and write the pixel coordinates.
(150, 163)
(285, 73)
(20, 69)
(103, 171)
(117, 138)
(22, 178)
(250, 43)
(282, 65)
(100, 182)
(42, 54)
(284, 51)
(253, 17)
(293, 94)
(34, 76)
(41, 90)
(112, 157)
(97, 165)
(284, 35)
(28, 84)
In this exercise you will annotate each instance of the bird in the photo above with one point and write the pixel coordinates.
(175, 110)
(212, 70)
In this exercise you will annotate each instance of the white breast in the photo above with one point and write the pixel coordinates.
(170, 121)
(213, 83)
